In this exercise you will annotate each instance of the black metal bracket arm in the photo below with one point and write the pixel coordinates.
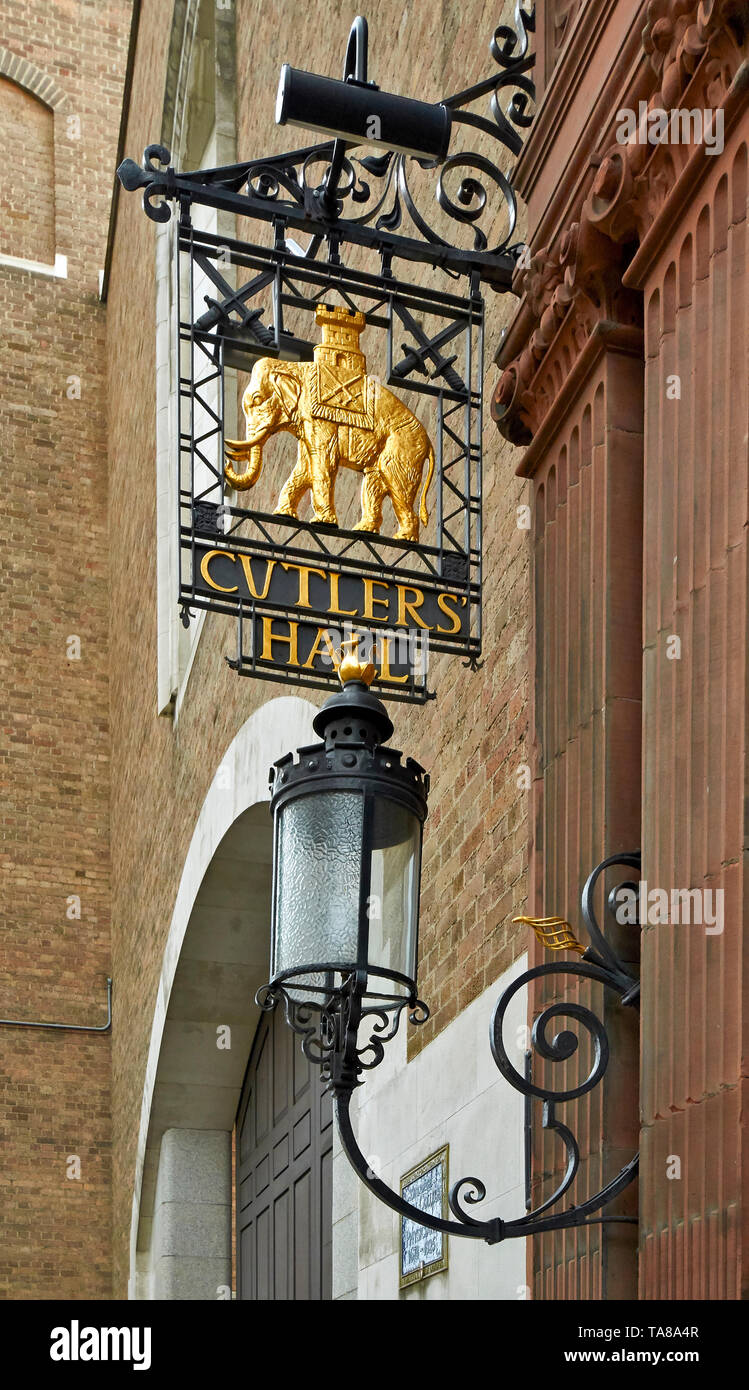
(331, 1037)
(310, 189)
(354, 69)
(472, 1190)
(67, 1027)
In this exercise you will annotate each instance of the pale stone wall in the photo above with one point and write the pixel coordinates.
(451, 1093)
(216, 956)
(191, 1251)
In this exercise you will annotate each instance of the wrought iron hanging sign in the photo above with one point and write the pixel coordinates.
(342, 365)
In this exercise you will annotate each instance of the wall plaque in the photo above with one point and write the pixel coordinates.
(423, 1251)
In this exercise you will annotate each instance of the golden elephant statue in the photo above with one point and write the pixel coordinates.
(340, 417)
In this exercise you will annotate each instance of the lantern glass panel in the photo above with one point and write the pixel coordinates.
(394, 890)
(318, 876)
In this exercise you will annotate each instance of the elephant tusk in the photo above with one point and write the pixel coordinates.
(237, 448)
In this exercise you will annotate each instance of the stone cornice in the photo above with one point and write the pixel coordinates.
(565, 80)
(691, 175)
(696, 64)
(605, 336)
(694, 53)
(569, 296)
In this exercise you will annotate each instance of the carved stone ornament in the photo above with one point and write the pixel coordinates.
(582, 275)
(695, 51)
(563, 14)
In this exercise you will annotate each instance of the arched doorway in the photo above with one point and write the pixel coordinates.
(284, 1172)
(205, 1019)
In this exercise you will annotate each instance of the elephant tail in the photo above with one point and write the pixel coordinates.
(239, 451)
(423, 513)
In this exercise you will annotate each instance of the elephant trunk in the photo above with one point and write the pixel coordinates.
(239, 451)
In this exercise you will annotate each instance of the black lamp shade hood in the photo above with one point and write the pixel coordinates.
(359, 113)
(348, 819)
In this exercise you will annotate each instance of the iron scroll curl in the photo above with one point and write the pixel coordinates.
(469, 1192)
(327, 191)
(565, 1044)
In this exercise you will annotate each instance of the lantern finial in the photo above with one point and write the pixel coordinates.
(351, 668)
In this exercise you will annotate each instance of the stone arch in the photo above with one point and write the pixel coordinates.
(31, 78)
(215, 956)
(33, 118)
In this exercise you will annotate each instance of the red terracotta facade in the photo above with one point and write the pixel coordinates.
(625, 374)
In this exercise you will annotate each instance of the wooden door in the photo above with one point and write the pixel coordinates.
(284, 1171)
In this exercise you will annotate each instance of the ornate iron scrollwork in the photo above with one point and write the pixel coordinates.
(326, 191)
(335, 1029)
(337, 1046)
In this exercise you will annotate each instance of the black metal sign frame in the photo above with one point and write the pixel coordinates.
(440, 582)
(243, 561)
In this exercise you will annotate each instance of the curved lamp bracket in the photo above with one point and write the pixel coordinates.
(333, 1039)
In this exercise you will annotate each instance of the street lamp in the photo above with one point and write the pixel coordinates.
(356, 111)
(348, 819)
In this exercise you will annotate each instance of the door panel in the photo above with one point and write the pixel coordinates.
(284, 1172)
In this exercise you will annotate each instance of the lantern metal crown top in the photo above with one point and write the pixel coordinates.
(348, 818)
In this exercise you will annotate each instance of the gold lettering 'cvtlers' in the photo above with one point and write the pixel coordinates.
(247, 569)
(335, 601)
(409, 606)
(370, 599)
(304, 572)
(270, 565)
(449, 612)
(205, 572)
(377, 597)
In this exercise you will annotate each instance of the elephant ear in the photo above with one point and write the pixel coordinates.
(287, 388)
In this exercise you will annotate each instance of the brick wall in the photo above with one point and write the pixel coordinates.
(27, 200)
(471, 739)
(55, 1239)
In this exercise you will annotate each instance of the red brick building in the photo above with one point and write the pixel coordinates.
(61, 82)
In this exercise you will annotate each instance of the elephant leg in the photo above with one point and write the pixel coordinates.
(373, 490)
(401, 481)
(295, 487)
(408, 522)
(323, 469)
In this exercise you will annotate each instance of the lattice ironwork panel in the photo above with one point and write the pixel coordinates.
(343, 373)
